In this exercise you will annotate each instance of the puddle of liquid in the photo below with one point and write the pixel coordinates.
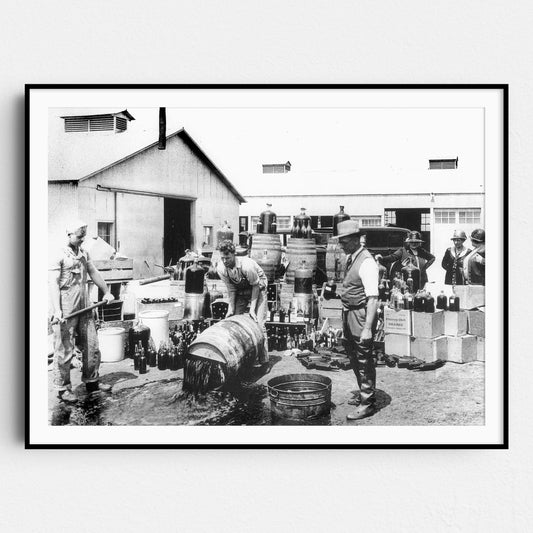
(164, 403)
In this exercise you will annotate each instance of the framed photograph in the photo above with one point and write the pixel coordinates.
(267, 266)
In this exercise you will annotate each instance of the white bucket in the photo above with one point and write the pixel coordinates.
(111, 342)
(157, 321)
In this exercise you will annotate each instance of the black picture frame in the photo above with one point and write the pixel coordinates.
(30, 326)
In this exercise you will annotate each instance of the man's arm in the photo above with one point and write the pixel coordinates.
(253, 301)
(371, 310)
(99, 282)
(55, 298)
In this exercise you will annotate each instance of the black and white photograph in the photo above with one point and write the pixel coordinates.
(267, 266)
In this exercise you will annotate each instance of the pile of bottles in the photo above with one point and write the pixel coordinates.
(171, 354)
(281, 339)
(279, 313)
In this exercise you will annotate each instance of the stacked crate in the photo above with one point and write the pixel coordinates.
(429, 342)
(398, 327)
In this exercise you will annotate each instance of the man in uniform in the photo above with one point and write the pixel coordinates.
(247, 287)
(67, 282)
(360, 303)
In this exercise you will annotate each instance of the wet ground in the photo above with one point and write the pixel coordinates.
(451, 395)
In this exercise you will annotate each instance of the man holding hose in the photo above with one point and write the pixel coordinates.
(247, 287)
(67, 283)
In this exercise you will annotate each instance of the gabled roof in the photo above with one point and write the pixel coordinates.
(182, 134)
(99, 113)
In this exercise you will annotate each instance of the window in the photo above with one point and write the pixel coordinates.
(255, 221)
(105, 232)
(443, 164)
(368, 222)
(469, 216)
(445, 216)
(390, 216)
(425, 222)
(243, 224)
(208, 236)
(284, 223)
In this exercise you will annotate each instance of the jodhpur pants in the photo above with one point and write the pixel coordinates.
(64, 342)
(360, 353)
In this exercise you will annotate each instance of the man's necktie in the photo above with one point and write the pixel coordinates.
(349, 262)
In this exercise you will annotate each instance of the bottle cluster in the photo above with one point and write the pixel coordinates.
(171, 354)
(289, 338)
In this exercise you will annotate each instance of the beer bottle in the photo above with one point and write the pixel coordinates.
(162, 357)
(142, 361)
(136, 356)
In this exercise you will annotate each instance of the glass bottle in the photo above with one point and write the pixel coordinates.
(408, 301)
(454, 302)
(139, 332)
(341, 216)
(142, 361)
(419, 302)
(162, 358)
(152, 354)
(268, 219)
(429, 306)
(194, 278)
(136, 357)
(442, 301)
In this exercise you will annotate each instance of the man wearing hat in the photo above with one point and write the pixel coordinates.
(453, 260)
(413, 253)
(474, 263)
(67, 282)
(360, 303)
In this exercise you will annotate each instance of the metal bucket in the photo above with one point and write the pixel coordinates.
(266, 252)
(300, 396)
(234, 342)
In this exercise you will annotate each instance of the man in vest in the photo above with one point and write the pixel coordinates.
(247, 287)
(67, 282)
(360, 303)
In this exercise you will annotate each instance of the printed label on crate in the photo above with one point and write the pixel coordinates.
(399, 322)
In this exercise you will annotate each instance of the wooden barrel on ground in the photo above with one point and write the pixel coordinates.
(299, 250)
(335, 260)
(233, 342)
(266, 252)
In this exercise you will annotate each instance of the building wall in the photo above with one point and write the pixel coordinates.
(176, 171)
(62, 208)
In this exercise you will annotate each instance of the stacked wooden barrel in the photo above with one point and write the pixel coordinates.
(266, 252)
(299, 250)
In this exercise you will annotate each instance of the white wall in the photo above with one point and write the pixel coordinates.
(265, 490)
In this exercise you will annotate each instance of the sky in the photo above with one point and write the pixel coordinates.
(334, 150)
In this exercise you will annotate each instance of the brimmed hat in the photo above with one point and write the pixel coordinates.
(478, 235)
(458, 234)
(414, 236)
(347, 228)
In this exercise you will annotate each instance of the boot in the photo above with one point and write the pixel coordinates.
(356, 400)
(362, 411)
(68, 396)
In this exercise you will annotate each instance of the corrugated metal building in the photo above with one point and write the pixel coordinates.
(149, 204)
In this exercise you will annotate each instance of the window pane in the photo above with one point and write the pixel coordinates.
(208, 235)
(105, 231)
(444, 216)
(255, 220)
(284, 223)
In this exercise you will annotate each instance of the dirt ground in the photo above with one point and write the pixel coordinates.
(450, 395)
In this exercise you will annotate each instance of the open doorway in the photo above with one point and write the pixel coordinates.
(177, 229)
(414, 220)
